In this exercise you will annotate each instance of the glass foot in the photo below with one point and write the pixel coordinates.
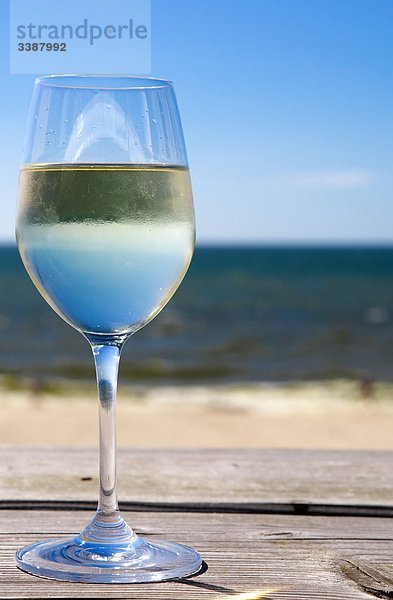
(74, 559)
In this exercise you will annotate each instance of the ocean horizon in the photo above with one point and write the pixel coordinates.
(244, 313)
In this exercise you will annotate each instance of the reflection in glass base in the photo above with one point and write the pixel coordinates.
(74, 559)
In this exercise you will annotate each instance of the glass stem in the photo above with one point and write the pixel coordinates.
(108, 524)
(106, 358)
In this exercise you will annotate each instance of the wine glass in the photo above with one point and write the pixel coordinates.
(105, 229)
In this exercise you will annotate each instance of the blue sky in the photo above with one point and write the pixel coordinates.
(287, 108)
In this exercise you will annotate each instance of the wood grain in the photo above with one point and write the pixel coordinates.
(224, 497)
(372, 575)
(283, 557)
(203, 476)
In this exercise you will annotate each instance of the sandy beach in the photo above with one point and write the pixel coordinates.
(300, 415)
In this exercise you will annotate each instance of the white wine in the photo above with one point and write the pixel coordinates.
(106, 245)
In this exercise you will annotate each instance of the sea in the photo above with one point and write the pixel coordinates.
(242, 314)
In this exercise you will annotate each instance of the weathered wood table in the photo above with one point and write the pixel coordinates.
(269, 524)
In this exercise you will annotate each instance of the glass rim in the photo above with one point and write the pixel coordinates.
(102, 82)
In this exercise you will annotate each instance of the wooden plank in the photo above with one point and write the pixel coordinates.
(203, 476)
(269, 526)
(277, 557)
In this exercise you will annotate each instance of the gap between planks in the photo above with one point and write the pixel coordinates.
(295, 508)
